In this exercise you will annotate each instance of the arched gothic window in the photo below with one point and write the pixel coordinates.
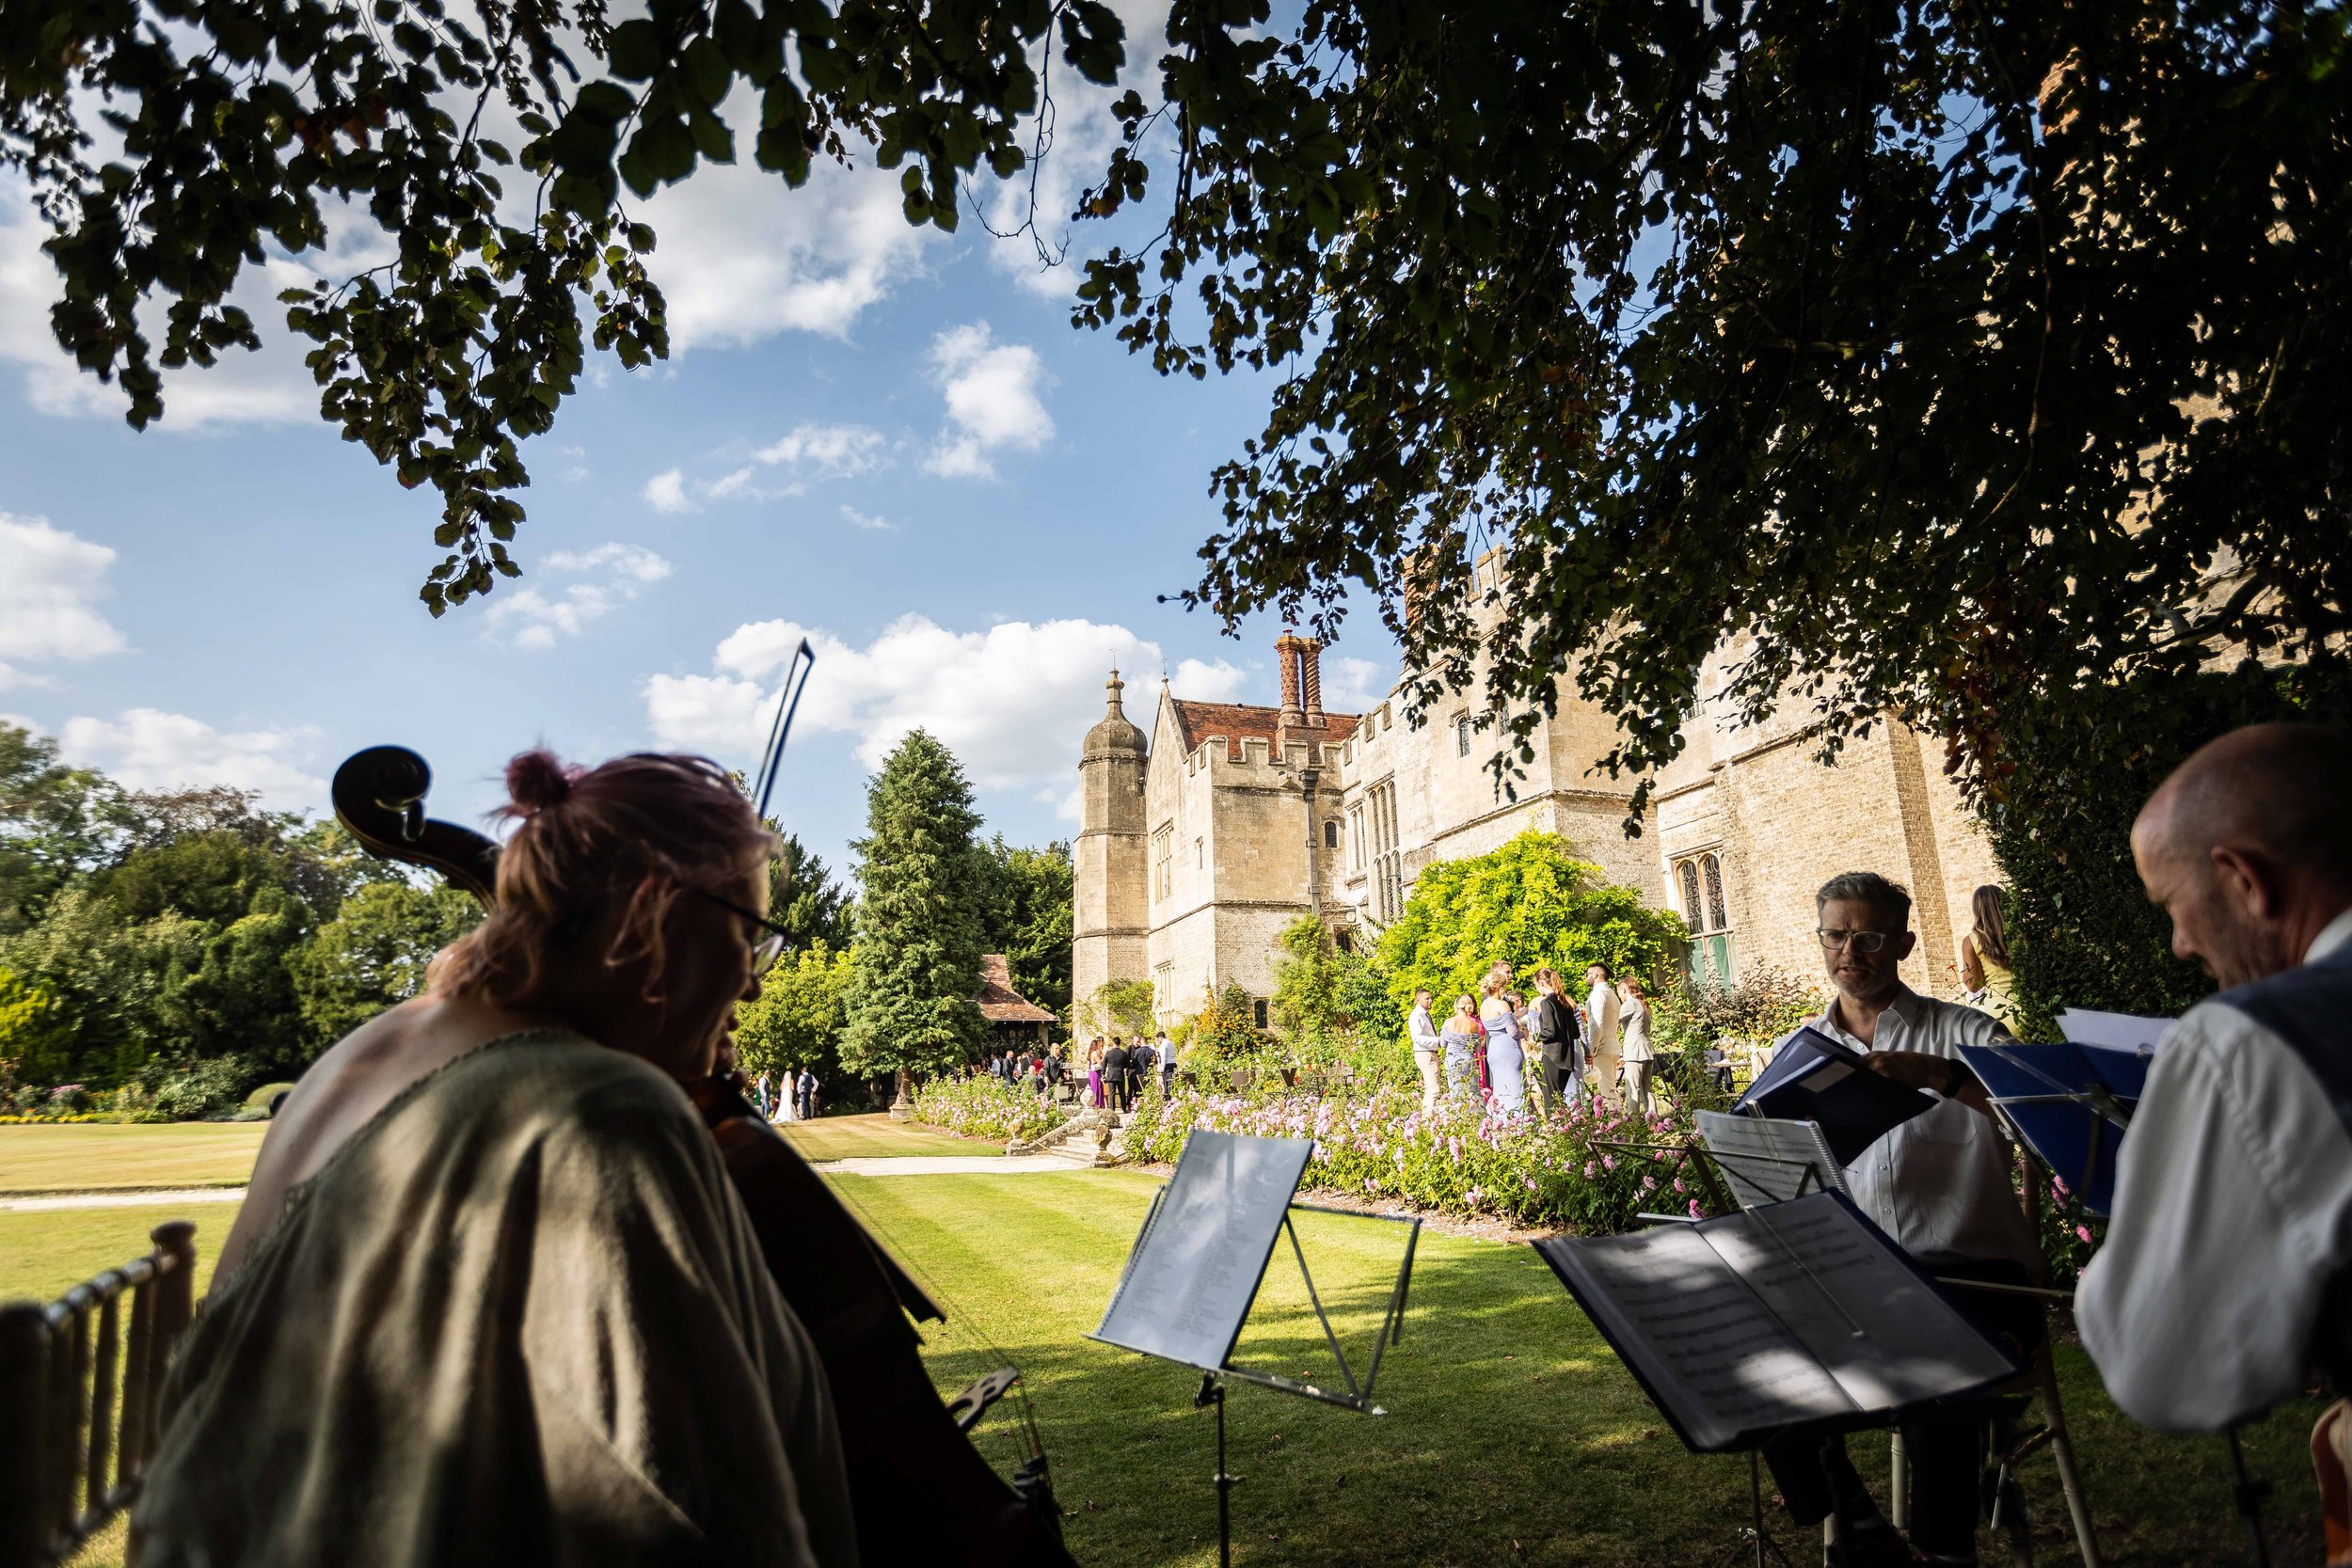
(1692, 908)
(1712, 869)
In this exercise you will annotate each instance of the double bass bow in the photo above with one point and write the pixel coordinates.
(919, 1491)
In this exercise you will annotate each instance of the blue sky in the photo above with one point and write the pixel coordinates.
(892, 441)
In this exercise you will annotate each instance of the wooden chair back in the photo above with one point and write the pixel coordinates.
(79, 1380)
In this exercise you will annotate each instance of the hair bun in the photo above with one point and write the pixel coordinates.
(535, 780)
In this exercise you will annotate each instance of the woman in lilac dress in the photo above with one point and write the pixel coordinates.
(1507, 1089)
(1094, 1075)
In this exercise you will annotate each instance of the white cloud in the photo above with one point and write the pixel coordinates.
(744, 256)
(860, 519)
(149, 749)
(808, 451)
(530, 617)
(992, 394)
(50, 584)
(830, 450)
(666, 492)
(1353, 684)
(1013, 702)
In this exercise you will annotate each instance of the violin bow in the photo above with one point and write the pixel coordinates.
(796, 675)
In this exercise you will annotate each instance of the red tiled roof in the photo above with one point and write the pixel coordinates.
(1001, 1004)
(1239, 722)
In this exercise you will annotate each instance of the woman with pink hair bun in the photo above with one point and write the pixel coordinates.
(492, 1298)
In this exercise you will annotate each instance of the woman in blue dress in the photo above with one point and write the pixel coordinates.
(1463, 1039)
(1505, 1056)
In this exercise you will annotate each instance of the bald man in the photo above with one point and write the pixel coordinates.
(2227, 1274)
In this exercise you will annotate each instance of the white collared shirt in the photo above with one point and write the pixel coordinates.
(1424, 1030)
(1939, 1184)
(2233, 1214)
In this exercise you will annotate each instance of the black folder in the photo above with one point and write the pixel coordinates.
(1815, 1078)
(1798, 1315)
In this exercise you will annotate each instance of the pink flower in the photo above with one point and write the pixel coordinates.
(1609, 1161)
(1589, 1171)
(2082, 1232)
(1531, 1183)
(1695, 1207)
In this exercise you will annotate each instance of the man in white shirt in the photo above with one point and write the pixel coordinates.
(1166, 1052)
(1939, 1186)
(2226, 1279)
(1428, 1049)
(1600, 1028)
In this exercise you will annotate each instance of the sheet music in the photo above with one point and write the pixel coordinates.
(1794, 1313)
(1717, 1363)
(1818, 1269)
(1765, 1160)
(1194, 1270)
(2118, 1031)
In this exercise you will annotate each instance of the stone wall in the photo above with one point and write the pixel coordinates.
(1777, 821)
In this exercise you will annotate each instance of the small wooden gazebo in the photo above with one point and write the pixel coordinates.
(1014, 1021)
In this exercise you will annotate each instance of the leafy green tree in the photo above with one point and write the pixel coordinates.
(118, 983)
(247, 127)
(1321, 991)
(916, 963)
(1026, 914)
(55, 823)
(804, 899)
(1941, 356)
(798, 1020)
(1118, 1007)
(1225, 1028)
(374, 953)
(35, 1041)
(1530, 903)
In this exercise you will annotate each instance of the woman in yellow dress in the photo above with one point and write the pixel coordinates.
(1984, 963)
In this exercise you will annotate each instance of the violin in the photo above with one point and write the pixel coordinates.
(919, 1491)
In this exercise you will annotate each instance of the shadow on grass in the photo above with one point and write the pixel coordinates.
(1513, 1436)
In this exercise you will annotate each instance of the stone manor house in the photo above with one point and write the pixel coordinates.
(1199, 843)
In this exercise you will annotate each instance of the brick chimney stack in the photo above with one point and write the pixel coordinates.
(1311, 679)
(1287, 648)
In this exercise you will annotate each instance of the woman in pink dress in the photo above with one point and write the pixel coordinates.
(1094, 1075)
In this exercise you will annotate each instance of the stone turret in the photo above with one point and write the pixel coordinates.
(1111, 917)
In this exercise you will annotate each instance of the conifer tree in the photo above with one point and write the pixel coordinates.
(916, 968)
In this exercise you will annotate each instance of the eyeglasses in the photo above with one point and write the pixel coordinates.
(767, 949)
(1861, 941)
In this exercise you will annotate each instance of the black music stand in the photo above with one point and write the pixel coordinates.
(1193, 1275)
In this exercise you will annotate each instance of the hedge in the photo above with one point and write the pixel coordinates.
(985, 1107)
(1551, 1170)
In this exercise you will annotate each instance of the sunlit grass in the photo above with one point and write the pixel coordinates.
(1513, 1434)
(102, 1156)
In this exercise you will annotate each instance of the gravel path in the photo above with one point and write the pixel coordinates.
(29, 1205)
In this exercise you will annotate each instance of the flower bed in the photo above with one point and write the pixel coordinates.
(1544, 1170)
(985, 1107)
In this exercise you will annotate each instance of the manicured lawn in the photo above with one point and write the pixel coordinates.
(96, 1156)
(1514, 1435)
(876, 1137)
(45, 1254)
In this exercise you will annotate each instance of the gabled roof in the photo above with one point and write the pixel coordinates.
(1239, 722)
(999, 1003)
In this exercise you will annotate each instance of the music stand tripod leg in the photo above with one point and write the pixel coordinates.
(2249, 1494)
(1755, 1543)
(1213, 1392)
